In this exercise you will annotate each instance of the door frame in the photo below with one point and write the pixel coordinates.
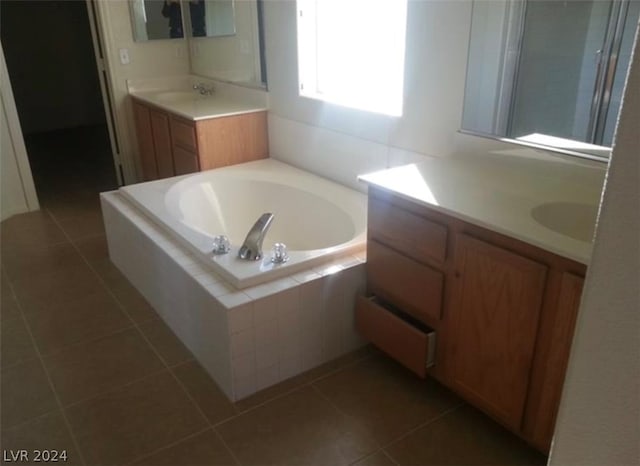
(102, 65)
(17, 140)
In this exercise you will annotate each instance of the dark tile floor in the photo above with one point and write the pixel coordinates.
(88, 367)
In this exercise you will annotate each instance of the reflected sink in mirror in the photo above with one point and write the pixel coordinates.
(180, 96)
(572, 219)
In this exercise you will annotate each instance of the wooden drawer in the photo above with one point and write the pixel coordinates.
(410, 285)
(406, 232)
(184, 161)
(184, 134)
(413, 347)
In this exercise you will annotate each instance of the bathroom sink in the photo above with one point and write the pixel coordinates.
(572, 219)
(179, 96)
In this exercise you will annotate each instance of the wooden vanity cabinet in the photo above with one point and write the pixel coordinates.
(170, 145)
(501, 311)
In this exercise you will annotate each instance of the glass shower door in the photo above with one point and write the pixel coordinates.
(624, 57)
(572, 66)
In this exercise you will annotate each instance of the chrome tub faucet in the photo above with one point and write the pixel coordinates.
(251, 249)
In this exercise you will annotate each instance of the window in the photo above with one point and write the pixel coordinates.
(351, 52)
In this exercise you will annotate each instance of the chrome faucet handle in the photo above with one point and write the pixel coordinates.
(208, 90)
(279, 254)
(221, 245)
(204, 89)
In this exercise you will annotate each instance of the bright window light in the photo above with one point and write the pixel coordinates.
(351, 52)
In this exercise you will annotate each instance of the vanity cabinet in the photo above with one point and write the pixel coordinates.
(170, 145)
(498, 313)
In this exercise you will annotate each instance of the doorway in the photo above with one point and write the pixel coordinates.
(52, 67)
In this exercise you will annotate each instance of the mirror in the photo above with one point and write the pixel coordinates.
(156, 19)
(211, 18)
(549, 73)
(231, 49)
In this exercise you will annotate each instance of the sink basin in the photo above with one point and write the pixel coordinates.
(180, 96)
(571, 219)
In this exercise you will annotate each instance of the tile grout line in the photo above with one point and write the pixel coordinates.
(166, 447)
(96, 274)
(36, 418)
(302, 385)
(371, 455)
(102, 283)
(281, 395)
(124, 310)
(393, 460)
(424, 424)
(339, 411)
(190, 398)
(155, 351)
(226, 445)
(114, 389)
(85, 342)
(51, 385)
(214, 427)
(395, 439)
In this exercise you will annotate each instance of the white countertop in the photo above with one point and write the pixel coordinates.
(193, 106)
(499, 195)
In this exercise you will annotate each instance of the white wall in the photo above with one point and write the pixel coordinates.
(17, 192)
(155, 58)
(599, 419)
(340, 143)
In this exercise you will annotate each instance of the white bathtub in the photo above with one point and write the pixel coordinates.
(317, 219)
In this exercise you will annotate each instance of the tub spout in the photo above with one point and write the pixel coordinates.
(251, 249)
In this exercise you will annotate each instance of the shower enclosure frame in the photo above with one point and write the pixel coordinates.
(606, 65)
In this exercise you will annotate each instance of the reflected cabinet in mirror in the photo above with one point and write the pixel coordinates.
(156, 19)
(549, 73)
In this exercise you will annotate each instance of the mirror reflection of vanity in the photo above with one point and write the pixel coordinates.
(200, 120)
(223, 35)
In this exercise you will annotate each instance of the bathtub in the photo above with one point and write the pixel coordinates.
(317, 219)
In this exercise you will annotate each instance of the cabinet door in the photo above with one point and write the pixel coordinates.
(492, 326)
(146, 149)
(162, 142)
(550, 363)
(232, 140)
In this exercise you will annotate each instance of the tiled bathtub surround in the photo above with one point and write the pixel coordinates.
(247, 340)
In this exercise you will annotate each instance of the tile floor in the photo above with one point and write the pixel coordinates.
(88, 367)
